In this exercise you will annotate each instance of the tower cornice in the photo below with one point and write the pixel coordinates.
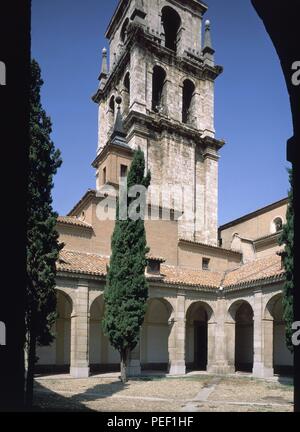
(123, 7)
(147, 124)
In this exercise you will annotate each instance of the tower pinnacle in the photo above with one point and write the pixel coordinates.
(104, 68)
(208, 51)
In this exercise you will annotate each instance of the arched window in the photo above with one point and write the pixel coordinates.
(111, 113)
(124, 30)
(277, 225)
(171, 23)
(112, 105)
(158, 89)
(187, 101)
(126, 93)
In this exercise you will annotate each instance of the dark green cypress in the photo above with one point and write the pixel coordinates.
(126, 291)
(42, 238)
(287, 239)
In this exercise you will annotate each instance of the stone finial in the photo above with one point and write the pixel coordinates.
(104, 68)
(208, 51)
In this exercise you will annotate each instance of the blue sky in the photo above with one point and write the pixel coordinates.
(252, 112)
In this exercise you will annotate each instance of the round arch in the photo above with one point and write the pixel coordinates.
(276, 225)
(188, 101)
(57, 356)
(171, 22)
(155, 334)
(200, 336)
(158, 88)
(102, 356)
(240, 335)
(277, 355)
(126, 93)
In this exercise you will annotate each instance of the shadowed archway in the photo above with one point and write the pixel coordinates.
(199, 336)
(241, 336)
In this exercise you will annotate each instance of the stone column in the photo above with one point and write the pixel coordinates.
(177, 340)
(230, 345)
(268, 347)
(80, 333)
(258, 363)
(220, 362)
(211, 334)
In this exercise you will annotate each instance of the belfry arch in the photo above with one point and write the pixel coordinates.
(188, 101)
(158, 89)
(171, 22)
(126, 94)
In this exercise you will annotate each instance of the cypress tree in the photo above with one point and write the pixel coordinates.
(287, 239)
(42, 238)
(126, 291)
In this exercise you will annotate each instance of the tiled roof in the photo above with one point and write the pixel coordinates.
(91, 264)
(264, 268)
(69, 220)
(184, 276)
(80, 262)
(96, 265)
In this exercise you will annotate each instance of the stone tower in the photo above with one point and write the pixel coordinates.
(164, 70)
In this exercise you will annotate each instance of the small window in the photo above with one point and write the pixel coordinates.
(278, 224)
(112, 105)
(205, 263)
(123, 171)
(104, 175)
(153, 267)
(126, 93)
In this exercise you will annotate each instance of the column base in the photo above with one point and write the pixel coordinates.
(80, 372)
(134, 368)
(221, 369)
(261, 371)
(177, 368)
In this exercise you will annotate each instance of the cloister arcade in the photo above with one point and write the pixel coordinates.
(180, 334)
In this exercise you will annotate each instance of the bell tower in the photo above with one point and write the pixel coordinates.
(161, 63)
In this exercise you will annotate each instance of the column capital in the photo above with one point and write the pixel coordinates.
(83, 283)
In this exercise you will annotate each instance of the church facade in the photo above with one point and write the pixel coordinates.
(214, 293)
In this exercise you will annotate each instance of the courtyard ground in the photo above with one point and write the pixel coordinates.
(193, 393)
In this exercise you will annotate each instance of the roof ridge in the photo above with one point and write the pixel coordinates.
(85, 253)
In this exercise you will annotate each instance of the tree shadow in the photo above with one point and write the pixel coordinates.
(48, 400)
